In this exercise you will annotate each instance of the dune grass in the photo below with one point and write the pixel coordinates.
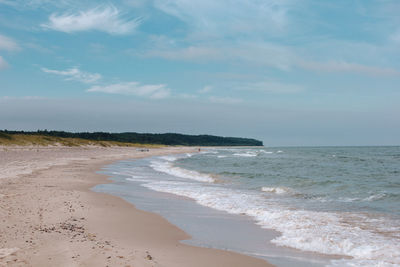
(41, 140)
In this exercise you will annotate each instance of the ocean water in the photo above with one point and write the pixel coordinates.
(338, 201)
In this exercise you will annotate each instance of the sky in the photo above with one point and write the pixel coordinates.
(287, 72)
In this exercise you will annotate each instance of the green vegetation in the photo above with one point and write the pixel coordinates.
(124, 139)
(41, 140)
(5, 136)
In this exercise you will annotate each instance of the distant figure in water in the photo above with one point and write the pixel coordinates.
(199, 149)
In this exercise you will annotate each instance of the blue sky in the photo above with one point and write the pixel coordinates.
(288, 72)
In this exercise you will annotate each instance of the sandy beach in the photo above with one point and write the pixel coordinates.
(50, 217)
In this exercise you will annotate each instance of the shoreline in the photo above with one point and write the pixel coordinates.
(46, 220)
(136, 181)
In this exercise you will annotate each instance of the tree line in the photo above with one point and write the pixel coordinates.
(148, 138)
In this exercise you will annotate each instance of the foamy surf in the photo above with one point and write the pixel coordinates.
(324, 214)
(247, 154)
(171, 158)
(169, 168)
(266, 152)
(320, 232)
(251, 153)
(371, 198)
(276, 190)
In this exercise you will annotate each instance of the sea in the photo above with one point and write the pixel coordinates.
(303, 206)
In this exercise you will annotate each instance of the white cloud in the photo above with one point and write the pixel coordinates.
(187, 96)
(280, 57)
(271, 87)
(191, 53)
(8, 44)
(155, 91)
(3, 63)
(75, 74)
(229, 17)
(265, 54)
(244, 32)
(225, 100)
(205, 89)
(105, 18)
(342, 66)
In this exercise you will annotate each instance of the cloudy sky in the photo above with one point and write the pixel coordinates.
(288, 72)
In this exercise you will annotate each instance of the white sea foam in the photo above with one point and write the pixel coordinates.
(169, 168)
(209, 152)
(169, 158)
(322, 232)
(276, 190)
(247, 154)
(251, 153)
(370, 198)
(346, 199)
(266, 152)
(354, 263)
(375, 197)
(221, 156)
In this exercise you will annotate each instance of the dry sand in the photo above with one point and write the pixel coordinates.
(49, 216)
